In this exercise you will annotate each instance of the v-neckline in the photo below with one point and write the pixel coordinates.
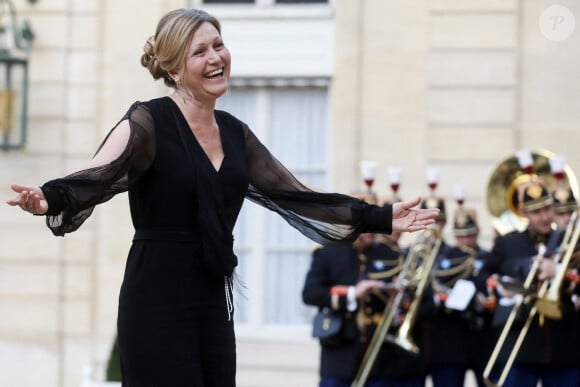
(213, 167)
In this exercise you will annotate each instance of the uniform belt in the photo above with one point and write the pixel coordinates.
(373, 319)
(167, 235)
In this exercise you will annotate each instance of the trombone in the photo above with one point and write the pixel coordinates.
(547, 302)
(502, 204)
(426, 253)
(416, 272)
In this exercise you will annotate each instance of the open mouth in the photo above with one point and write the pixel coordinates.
(215, 74)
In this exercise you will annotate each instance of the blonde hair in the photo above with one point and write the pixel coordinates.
(167, 49)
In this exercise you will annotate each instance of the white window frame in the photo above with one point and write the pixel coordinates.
(264, 9)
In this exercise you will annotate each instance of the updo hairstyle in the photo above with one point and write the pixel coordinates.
(167, 49)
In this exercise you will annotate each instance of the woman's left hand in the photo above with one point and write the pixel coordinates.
(409, 219)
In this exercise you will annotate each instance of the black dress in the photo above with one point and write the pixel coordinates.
(175, 318)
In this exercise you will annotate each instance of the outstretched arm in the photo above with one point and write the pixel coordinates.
(323, 217)
(122, 158)
(31, 199)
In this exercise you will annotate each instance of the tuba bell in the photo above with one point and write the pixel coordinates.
(502, 188)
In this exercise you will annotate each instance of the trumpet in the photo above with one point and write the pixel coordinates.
(415, 273)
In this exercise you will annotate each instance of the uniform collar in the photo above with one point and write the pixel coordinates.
(537, 237)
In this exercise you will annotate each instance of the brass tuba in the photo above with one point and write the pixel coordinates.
(415, 274)
(502, 189)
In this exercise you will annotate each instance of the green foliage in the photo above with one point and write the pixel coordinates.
(114, 364)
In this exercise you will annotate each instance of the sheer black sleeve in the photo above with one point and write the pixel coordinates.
(323, 217)
(71, 199)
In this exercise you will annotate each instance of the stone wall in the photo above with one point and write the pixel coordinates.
(457, 84)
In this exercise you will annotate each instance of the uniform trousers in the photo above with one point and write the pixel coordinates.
(522, 376)
(448, 376)
(375, 382)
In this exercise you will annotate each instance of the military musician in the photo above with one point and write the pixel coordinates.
(549, 351)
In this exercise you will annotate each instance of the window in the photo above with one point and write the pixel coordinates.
(301, 1)
(228, 1)
(265, 1)
(274, 258)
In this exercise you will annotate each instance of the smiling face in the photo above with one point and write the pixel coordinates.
(206, 71)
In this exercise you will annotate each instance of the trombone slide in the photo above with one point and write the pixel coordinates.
(549, 304)
(377, 341)
(427, 249)
(569, 238)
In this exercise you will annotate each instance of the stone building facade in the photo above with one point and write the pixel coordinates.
(455, 84)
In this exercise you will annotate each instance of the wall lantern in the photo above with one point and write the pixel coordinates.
(16, 38)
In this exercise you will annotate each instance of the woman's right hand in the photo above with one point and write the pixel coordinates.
(30, 199)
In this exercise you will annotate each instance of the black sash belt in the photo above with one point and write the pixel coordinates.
(169, 236)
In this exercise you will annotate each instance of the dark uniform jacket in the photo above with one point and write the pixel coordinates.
(556, 342)
(480, 337)
(445, 332)
(339, 265)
